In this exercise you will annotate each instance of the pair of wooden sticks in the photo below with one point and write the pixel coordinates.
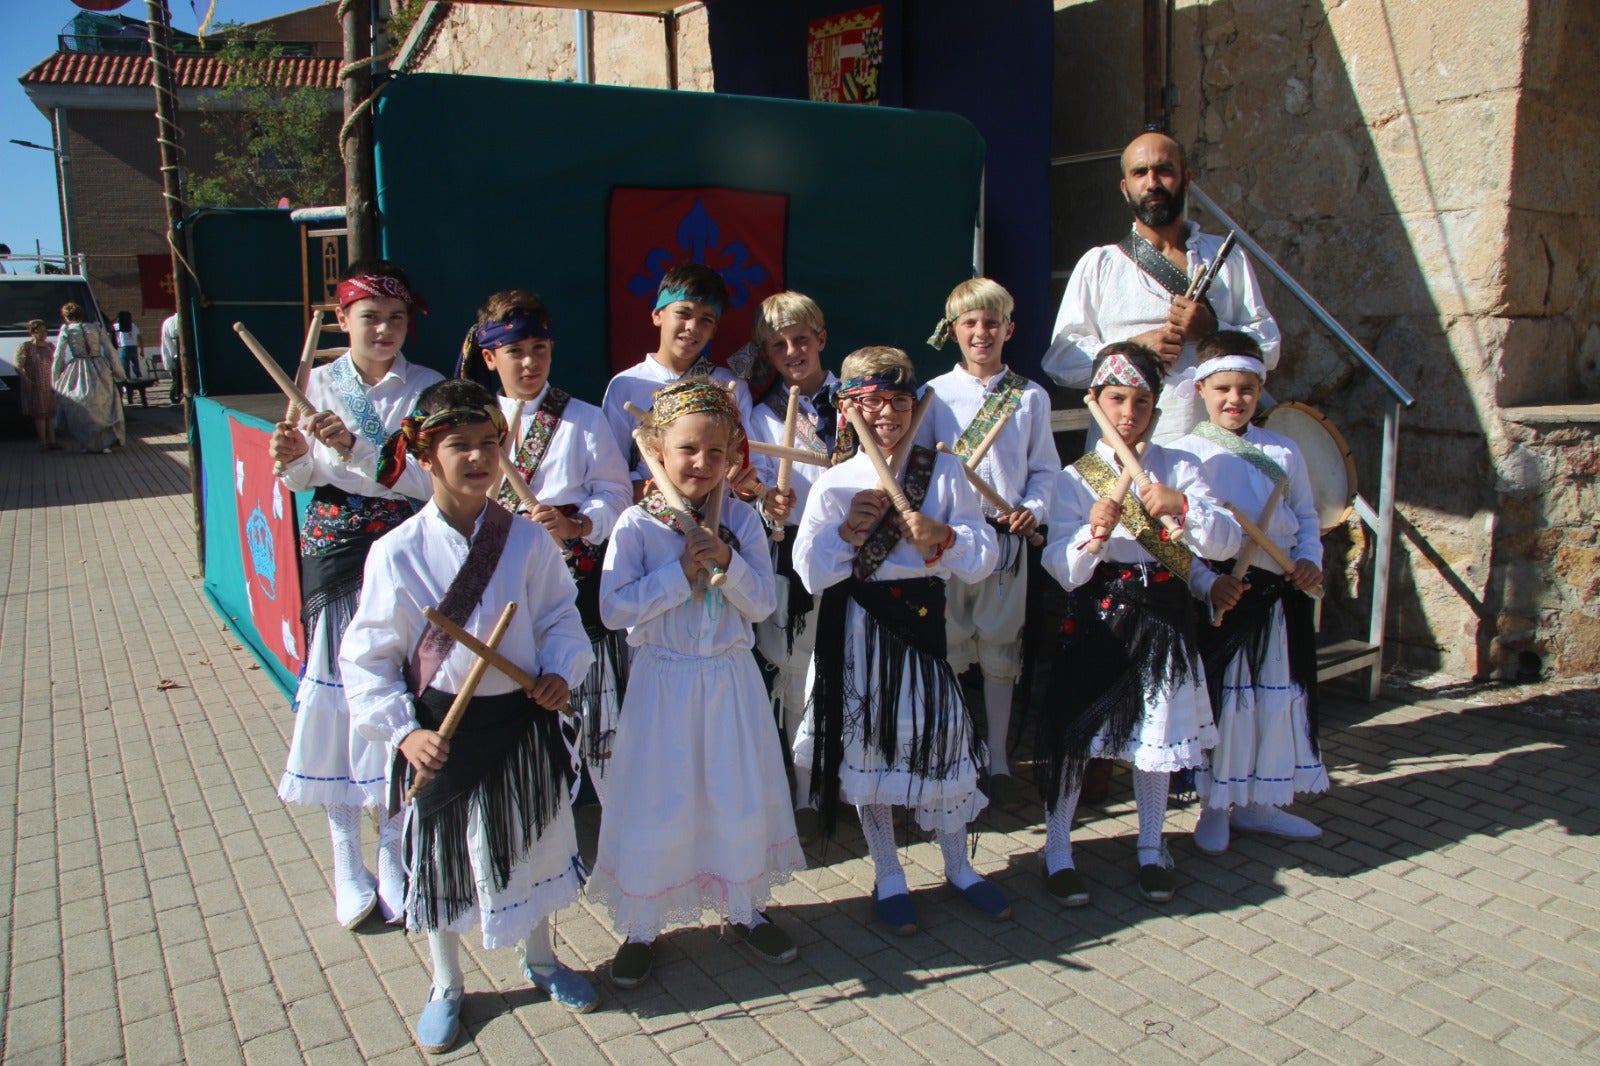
(681, 515)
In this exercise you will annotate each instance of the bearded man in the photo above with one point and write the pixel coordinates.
(1134, 290)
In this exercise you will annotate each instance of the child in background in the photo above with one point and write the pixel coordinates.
(887, 722)
(986, 617)
(490, 835)
(371, 388)
(1128, 681)
(1261, 660)
(790, 334)
(565, 452)
(697, 812)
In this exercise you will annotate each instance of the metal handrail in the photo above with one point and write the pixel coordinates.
(1310, 302)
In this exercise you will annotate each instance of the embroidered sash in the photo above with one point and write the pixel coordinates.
(1004, 399)
(881, 541)
(532, 450)
(806, 436)
(461, 597)
(655, 505)
(1244, 449)
(1135, 519)
(348, 383)
(1157, 266)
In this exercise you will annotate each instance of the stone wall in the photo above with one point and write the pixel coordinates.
(540, 43)
(1411, 165)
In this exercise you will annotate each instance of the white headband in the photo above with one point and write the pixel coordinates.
(1247, 363)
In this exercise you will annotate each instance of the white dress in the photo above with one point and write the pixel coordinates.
(1264, 754)
(697, 813)
(1177, 725)
(986, 617)
(410, 569)
(327, 766)
(823, 559)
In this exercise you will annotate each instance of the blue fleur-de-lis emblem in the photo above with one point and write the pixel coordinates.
(700, 240)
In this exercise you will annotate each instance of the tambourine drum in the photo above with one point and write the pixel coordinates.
(1327, 457)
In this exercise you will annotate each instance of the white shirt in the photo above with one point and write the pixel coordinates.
(823, 559)
(1109, 298)
(1294, 525)
(637, 385)
(410, 568)
(1209, 531)
(393, 397)
(643, 588)
(1023, 463)
(581, 464)
(767, 425)
(169, 342)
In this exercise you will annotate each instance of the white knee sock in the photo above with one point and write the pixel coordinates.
(344, 822)
(1150, 793)
(539, 949)
(997, 705)
(390, 833)
(878, 827)
(445, 947)
(957, 870)
(1058, 833)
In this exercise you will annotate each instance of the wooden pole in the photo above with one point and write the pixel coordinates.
(360, 181)
(169, 137)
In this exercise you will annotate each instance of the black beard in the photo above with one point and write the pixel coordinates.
(1156, 215)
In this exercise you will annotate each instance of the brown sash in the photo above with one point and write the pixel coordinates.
(461, 597)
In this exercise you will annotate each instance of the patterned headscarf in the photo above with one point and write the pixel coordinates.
(870, 383)
(418, 429)
(1118, 369)
(367, 286)
(695, 396)
(518, 326)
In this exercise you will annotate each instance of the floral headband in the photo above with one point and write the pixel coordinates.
(868, 383)
(696, 397)
(1118, 369)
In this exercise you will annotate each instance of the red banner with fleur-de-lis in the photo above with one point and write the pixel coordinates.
(739, 233)
(271, 556)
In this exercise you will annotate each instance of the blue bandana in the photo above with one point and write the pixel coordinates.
(672, 296)
(875, 383)
(520, 326)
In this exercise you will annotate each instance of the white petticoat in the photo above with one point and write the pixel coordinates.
(1174, 733)
(328, 767)
(1264, 754)
(940, 804)
(697, 815)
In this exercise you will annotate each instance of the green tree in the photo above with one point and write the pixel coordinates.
(273, 138)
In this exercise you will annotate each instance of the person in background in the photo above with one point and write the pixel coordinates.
(38, 391)
(126, 335)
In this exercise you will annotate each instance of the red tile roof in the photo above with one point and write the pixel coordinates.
(190, 72)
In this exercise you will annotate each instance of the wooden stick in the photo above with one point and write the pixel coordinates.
(988, 439)
(987, 491)
(869, 445)
(786, 466)
(902, 454)
(791, 455)
(1255, 533)
(483, 651)
(714, 523)
(1119, 493)
(1247, 554)
(302, 376)
(458, 706)
(1130, 461)
(275, 372)
(681, 517)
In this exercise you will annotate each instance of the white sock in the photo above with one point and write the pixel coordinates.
(445, 947)
(997, 706)
(1150, 793)
(390, 834)
(1058, 833)
(344, 822)
(957, 870)
(878, 827)
(539, 949)
(802, 787)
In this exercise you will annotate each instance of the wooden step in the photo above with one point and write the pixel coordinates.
(1345, 657)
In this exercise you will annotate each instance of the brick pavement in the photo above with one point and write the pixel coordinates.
(164, 906)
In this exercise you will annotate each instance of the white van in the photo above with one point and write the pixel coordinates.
(29, 296)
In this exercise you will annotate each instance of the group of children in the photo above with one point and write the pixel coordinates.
(621, 638)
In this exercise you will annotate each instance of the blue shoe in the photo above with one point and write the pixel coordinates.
(896, 912)
(986, 899)
(440, 1023)
(565, 987)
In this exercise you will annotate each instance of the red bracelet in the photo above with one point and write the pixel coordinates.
(949, 542)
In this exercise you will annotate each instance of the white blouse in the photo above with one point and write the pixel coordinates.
(637, 385)
(581, 464)
(1023, 463)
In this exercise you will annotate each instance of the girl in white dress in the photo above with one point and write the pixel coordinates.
(1128, 680)
(697, 811)
(1261, 656)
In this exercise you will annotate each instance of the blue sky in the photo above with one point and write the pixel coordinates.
(28, 206)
